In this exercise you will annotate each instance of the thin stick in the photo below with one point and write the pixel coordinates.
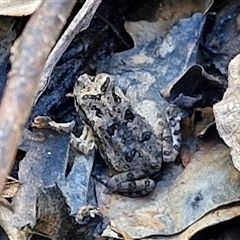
(29, 55)
(80, 22)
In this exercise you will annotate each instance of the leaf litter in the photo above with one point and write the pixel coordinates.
(55, 190)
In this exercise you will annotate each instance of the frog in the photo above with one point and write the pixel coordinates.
(125, 140)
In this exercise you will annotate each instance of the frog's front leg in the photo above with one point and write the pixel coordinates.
(86, 142)
(132, 183)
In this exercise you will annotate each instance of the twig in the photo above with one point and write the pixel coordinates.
(114, 29)
(79, 23)
(29, 55)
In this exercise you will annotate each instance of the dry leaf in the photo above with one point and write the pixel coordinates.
(18, 7)
(227, 112)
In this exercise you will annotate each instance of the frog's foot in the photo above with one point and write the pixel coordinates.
(85, 143)
(126, 184)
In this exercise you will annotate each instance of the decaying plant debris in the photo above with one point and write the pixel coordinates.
(159, 53)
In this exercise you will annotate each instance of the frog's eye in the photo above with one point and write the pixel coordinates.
(105, 85)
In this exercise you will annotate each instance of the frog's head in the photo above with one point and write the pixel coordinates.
(102, 84)
(105, 83)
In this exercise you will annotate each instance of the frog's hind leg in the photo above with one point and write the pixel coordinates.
(169, 141)
(130, 183)
(172, 134)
